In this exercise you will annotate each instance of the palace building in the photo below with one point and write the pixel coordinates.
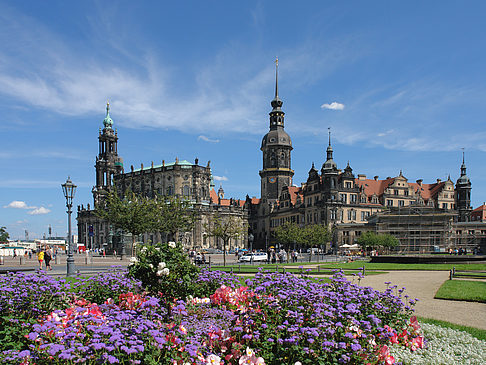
(425, 217)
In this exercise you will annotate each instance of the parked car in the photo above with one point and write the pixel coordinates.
(257, 256)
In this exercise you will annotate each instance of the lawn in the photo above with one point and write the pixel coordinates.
(470, 291)
(475, 332)
(251, 269)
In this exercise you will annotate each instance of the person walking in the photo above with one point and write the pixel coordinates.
(40, 257)
(48, 258)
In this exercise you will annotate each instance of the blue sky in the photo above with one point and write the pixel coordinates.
(404, 84)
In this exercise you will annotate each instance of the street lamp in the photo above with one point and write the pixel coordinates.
(250, 241)
(68, 188)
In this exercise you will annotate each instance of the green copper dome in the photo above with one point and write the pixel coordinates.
(108, 122)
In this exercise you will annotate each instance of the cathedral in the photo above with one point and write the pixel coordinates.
(425, 217)
(192, 181)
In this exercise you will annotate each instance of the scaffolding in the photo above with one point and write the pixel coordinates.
(419, 229)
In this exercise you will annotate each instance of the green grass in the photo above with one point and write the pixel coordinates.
(393, 266)
(367, 265)
(469, 291)
(476, 332)
(248, 269)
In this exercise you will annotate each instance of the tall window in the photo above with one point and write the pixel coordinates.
(401, 203)
(389, 203)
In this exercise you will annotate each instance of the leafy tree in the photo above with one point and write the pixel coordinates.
(287, 234)
(315, 235)
(225, 228)
(173, 215)
(132, 213)
(4, 236)
(372, 241)
(369, 241)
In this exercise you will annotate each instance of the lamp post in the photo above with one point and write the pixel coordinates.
(250, 241)
(69, 189)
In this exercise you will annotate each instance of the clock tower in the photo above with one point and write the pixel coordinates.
(276, 148)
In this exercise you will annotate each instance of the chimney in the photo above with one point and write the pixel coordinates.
(438, 181)
(361, 177)
(376, 178)
(419, 181)
(141, 166)
(131, 168)
(152, 165)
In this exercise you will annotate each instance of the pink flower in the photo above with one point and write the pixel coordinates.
(390, 360)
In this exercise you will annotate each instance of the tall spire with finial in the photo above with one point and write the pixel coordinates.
(276, 78)
(276, 115)
(108, 122)
(463, 166)
(329, 147)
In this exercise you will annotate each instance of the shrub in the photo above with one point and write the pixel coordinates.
(164, 269)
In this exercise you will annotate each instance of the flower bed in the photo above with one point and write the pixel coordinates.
(274, 318)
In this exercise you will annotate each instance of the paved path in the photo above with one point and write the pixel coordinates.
(423, 285)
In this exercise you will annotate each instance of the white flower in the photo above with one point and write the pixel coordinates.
(172, 244)
(151, 266)
(213, 359)
(157, 248)
(298, 363)
(161, 265)
(144, 248)
(133, 260)
(163, 272)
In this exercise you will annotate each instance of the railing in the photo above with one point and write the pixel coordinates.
(474, 274)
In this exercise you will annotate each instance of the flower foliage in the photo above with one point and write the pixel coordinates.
(164, 268)
(274, 318)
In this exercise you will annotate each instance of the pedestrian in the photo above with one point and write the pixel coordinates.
(48, 258)
(15, 253)
(40, 257)
(30, 254)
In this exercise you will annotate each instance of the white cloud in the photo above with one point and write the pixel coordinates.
(333, 106)
(18, 204)
(220, 178)
(207, 139)
(38, 211)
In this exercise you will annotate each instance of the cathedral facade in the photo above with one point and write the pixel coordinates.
(191, 181)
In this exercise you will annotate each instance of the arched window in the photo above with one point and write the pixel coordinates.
(170, 190)
(185, 190)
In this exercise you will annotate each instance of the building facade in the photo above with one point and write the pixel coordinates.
(190, 181)
(425, 217)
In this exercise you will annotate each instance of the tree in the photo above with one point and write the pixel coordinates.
(173, 215)
(315, 235)
(225, 228)
(4, 236)
(372, 241)
(287, 234)
(132, 213)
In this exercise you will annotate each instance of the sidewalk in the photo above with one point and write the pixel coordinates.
(423, 285)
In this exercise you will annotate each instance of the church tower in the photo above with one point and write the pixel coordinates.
(276, 148)
(108, 163)
(463, 194)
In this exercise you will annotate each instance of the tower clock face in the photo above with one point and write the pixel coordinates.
(272, 180)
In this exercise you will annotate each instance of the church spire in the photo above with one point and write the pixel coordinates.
(108, 122)
(276, 115)
(276, 78)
